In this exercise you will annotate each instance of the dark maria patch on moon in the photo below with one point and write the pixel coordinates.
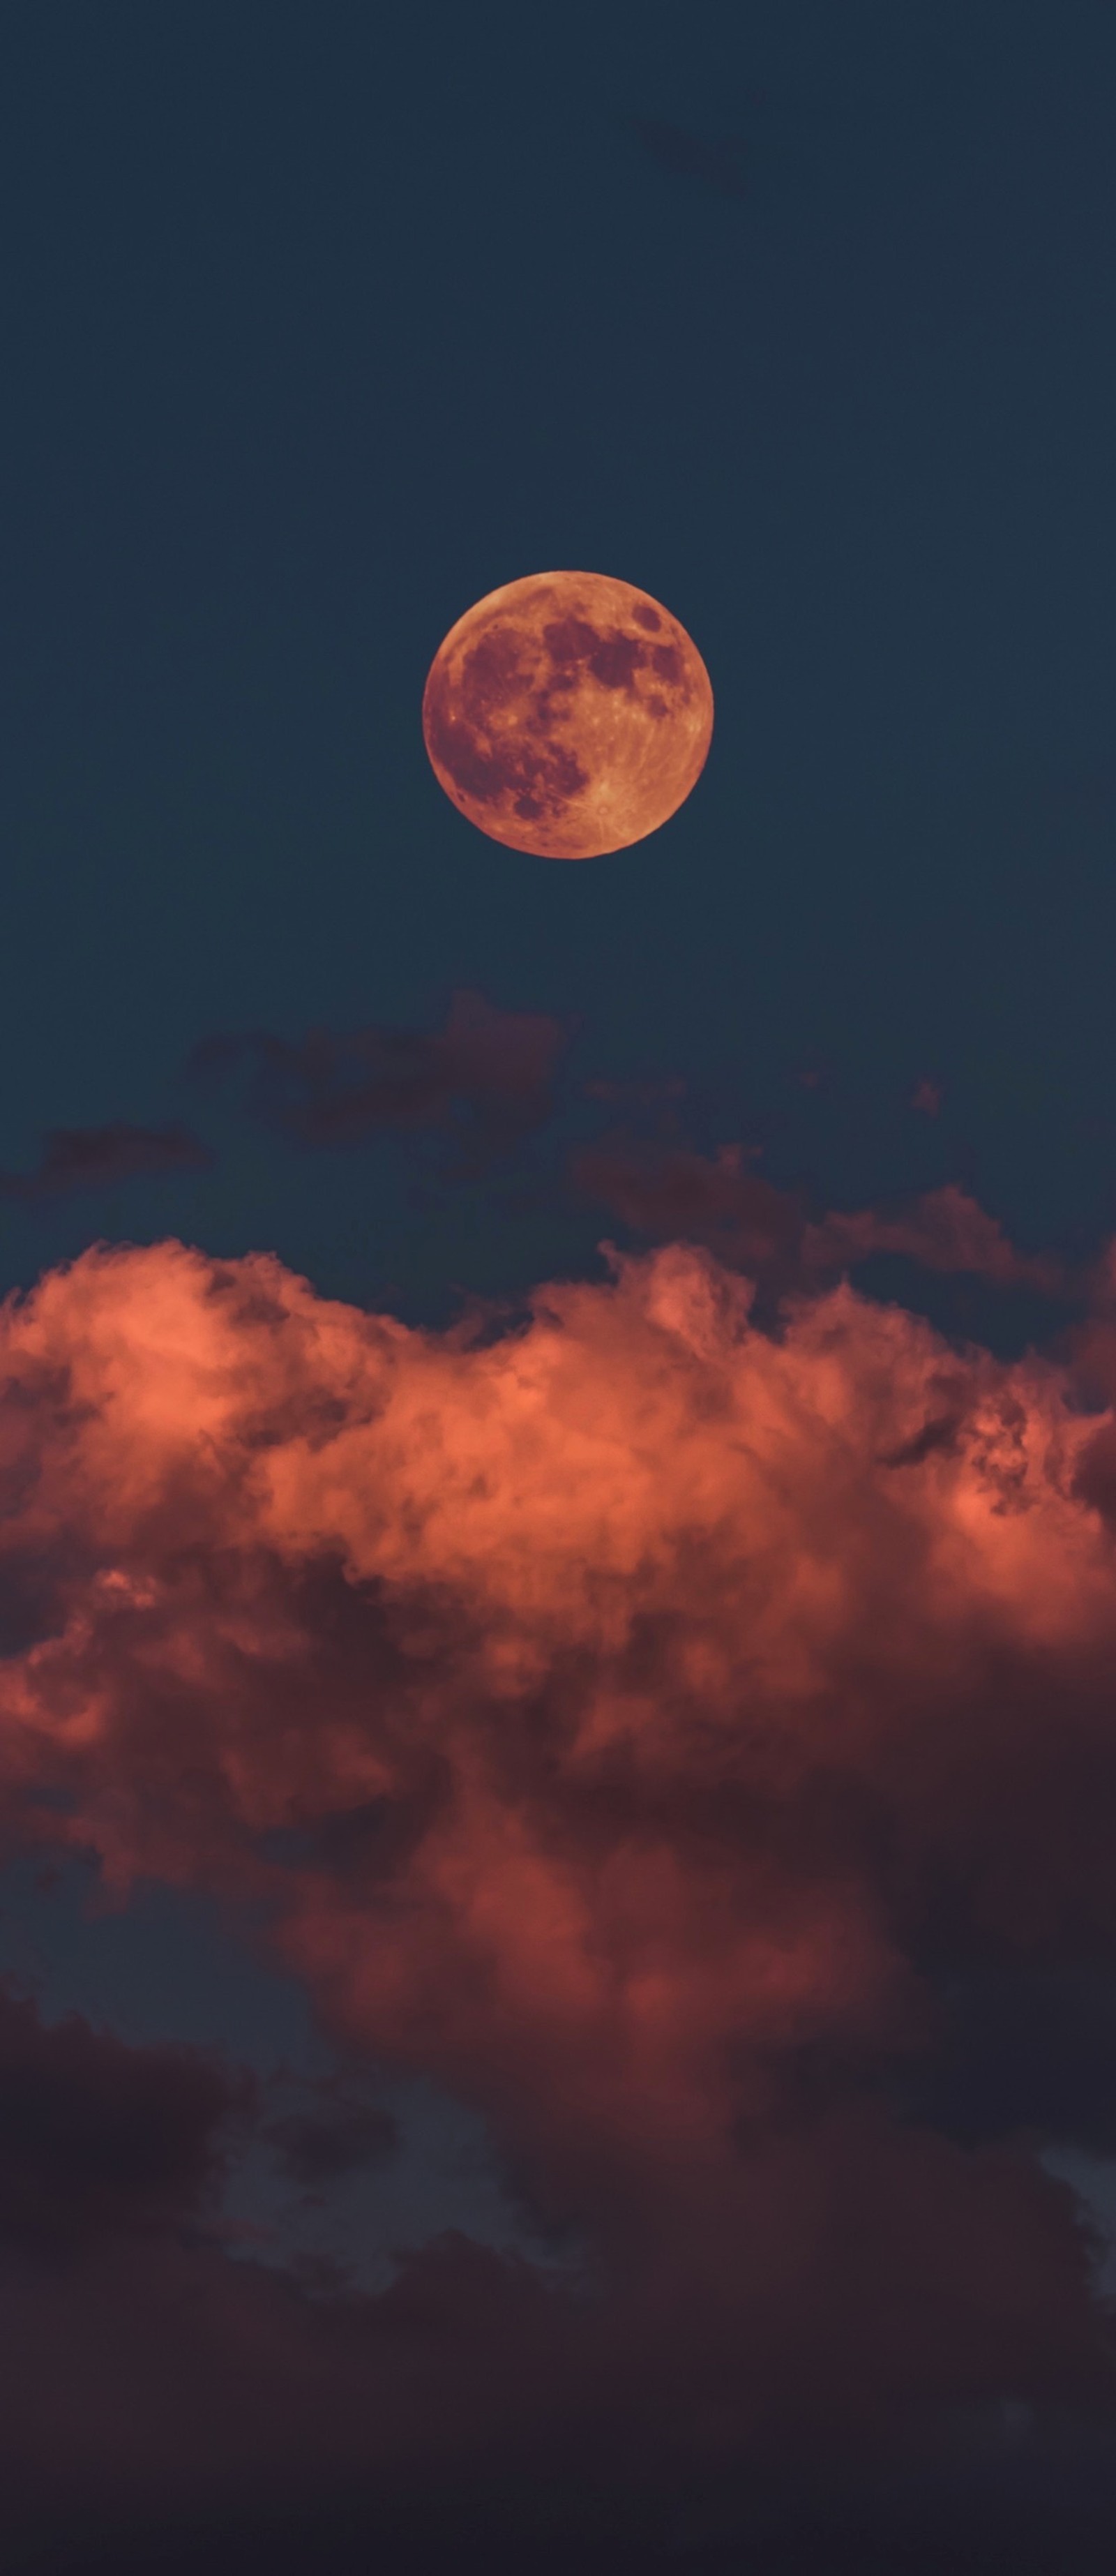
(537, 773)
(616, 661)
(612, 659)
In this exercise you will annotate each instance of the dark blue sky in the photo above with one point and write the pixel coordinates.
(320, 320)
(320, 324)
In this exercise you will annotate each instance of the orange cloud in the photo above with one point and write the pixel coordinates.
(650, 1710)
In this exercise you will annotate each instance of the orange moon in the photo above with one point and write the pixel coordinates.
(567, 714)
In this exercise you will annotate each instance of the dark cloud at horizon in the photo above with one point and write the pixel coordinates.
(97, 2138)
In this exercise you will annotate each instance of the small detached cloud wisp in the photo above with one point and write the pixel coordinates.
(81, 1158)
(485, 1080)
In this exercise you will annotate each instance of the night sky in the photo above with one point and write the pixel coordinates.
(558, 1422)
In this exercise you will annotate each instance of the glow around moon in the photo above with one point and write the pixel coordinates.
(567, 714)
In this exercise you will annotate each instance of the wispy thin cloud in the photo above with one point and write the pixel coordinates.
(485, 1079)
(93, 1158)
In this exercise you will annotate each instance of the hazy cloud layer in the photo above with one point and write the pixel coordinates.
(486, 1078)
(88, 1158)
(694, 1745)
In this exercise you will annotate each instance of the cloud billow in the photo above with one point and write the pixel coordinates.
(720, 1735)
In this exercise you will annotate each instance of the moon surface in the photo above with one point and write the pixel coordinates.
(567, 714)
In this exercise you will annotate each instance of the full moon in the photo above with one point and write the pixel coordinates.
(567, 714)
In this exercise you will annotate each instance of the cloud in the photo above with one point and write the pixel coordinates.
(943, 1230)
(1023, 2053)
(486, 1077)
(88, 1158)
(670, 1191)
(97, 2138)
(692, 1744)
(637, 1095)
